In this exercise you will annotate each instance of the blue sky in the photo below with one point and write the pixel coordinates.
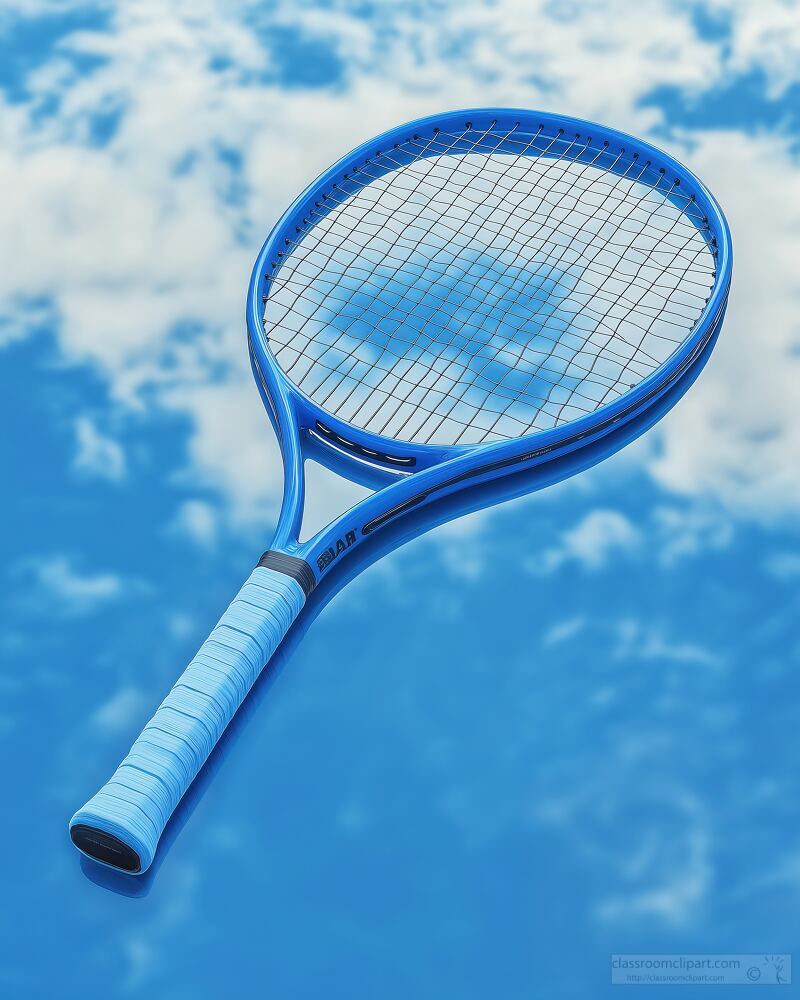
(547, 732)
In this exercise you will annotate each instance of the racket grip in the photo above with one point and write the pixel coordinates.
(121, 825)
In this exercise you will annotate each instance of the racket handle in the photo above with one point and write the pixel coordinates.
(121, 825)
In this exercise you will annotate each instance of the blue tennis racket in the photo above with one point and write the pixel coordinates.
(464, 298)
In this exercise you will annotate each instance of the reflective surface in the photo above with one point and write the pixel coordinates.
(560, 729)
(467, 781)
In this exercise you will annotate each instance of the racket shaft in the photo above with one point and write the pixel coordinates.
(121, 825)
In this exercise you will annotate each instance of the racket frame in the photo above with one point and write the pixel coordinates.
(406, 475)
(121, 826)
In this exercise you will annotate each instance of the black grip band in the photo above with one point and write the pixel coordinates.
(297, 569)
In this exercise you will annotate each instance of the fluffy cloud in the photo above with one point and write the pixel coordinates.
(59, 586)
(644, 642)
(765, 37)
(197, 520)
(600, 535)
(120, 711)
(679, 532)
(783, 565)
(736, 435)
(97, 454)
(135, 239)
(563, 631)
(668, 534)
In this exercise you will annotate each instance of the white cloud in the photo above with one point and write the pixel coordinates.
(232, 448)
(679, 880)
(649, 841)
(647, 642)
(122, 709)
(765, 37)
(563, 631)
(736, 434)
(138, 240)
(682, 532)
(198, 521)
(598, 537)
(18, 315)
(783, 565)
(60, 586)
(98, 454)
(180, 625)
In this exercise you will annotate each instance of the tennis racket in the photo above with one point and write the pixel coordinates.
(466, 298)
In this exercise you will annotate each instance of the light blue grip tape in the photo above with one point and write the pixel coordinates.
(139, 798)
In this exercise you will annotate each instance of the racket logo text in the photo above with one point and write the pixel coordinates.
(324, 559)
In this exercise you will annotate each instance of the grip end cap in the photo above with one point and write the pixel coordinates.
(105, 847)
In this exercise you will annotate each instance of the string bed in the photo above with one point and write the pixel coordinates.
(472, 286)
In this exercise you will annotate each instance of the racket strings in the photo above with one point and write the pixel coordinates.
(613, 243)
(586, 308)
(647, 287)
(474, 285)
(453, 368)
(588, 267)
(477, 373)
(445, 412)
(323, 401)
(378, 289)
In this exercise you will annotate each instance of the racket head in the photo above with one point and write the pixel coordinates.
(576, 147)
